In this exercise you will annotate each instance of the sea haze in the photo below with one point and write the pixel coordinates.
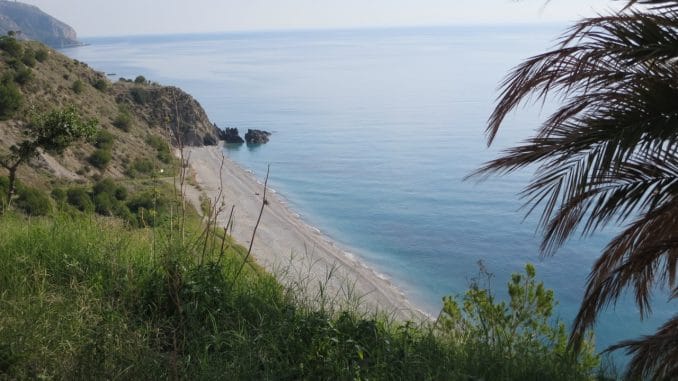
(374, 132)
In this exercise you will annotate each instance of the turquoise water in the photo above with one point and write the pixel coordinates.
(373, 134)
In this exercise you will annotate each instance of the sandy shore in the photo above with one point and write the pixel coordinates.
(298, 254)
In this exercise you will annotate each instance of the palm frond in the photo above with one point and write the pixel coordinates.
(654, 357)
(608, 155)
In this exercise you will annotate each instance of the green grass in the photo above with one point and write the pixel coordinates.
(86, 297)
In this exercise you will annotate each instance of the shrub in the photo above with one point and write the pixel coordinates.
(140, 80)
(104, 140)
(517, 329)
(10, 99)
(77, 86)
(120, 193)
(124, 120)
(144, 166)
(4, 186)
(11, 46)
(33, 202)
(139, 95)
(164, 153)
(80, 199)
(106, 185)
(59, 195)
(41, 55)
(148, 206)
(104, 204)
(23, 75)
(100, 158)
(29, 58)
(100, 84)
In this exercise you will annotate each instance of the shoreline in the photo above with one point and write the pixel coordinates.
(299, 255)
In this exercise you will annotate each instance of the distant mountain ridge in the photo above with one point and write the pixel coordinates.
(33, 24)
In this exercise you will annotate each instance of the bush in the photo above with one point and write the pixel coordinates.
(120, 193)
(59, 195)
(33, 202)
(106, 185)
(140, 80)
(80, 199)
(523, 327)
(100, 158)
(4, 186)
(124, 120)
(164, 153)
(41, 55)
(100, 84)
(104, 204)
(77, 86)
(148, 207)
(23, 75)
(104, 140)
(10, 99)
(144, 166)
(139, 95)
(29, 58)
(11, 46)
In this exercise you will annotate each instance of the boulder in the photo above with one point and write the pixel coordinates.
(257, 136)
(231, 135)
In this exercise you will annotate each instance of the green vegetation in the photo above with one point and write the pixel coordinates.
(29, 58)
(88, 298)
(140, 167)
(53, 132)
(140, 80)
(104, 140)
(11, 46)
(123, 120)
(41, 55)
(31, 201)
(77, 86)
(100, 84)
(139, 95)
(10, 99)
(103, 154)
(23, 75)
(162, 146)
(100, 158)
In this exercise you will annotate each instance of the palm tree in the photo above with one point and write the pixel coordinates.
(608, 155)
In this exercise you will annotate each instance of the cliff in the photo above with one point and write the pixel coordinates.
(33, 24)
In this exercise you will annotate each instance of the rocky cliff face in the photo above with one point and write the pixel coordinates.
(170, 107)
(33, 24)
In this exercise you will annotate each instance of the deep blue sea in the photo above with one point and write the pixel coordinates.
(373, 134)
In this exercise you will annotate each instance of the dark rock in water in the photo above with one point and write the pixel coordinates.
(231, 135)
(257, 136)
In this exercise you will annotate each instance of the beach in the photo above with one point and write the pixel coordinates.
(299, 255)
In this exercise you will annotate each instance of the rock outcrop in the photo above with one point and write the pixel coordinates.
(257, 136)
(231, 135)
(168, 106)
(30, 23)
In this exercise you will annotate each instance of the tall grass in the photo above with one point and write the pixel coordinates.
(83, 298)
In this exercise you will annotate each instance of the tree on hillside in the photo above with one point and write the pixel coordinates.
(53, 132)
(608, 155)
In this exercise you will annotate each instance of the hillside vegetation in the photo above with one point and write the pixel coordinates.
(35, 79)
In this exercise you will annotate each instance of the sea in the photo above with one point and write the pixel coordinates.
(374, 132)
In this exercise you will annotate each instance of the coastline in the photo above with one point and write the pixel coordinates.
(299, 255)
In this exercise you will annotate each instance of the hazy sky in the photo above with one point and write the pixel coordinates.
(130, 17)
